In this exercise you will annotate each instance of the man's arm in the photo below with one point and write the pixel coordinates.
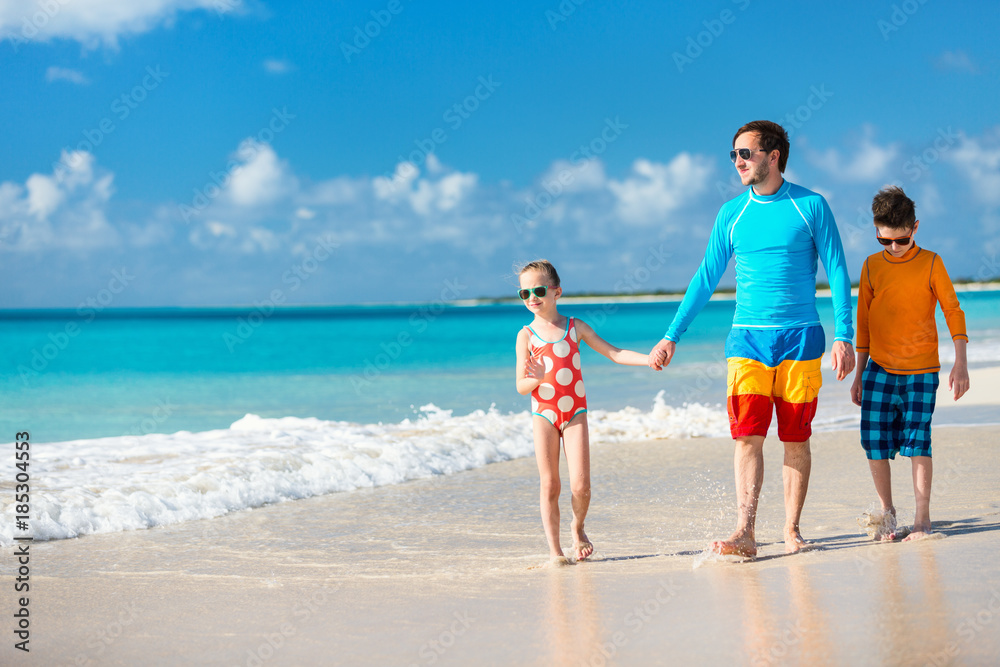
(699, 291)
(831, 253)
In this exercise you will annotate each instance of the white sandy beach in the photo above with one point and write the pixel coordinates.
(446, 571)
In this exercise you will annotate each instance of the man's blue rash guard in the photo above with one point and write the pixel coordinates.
(776, 240)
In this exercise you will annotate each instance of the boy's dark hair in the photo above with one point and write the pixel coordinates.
(545, 266)
(771, 136)
(893, 209)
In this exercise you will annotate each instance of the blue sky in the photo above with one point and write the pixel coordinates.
(222, 152)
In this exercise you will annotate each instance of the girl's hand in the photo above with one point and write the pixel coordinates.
(534, 368)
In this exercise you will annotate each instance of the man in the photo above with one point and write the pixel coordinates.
(776, 230)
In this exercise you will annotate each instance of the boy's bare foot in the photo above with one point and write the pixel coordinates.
(919, 532)
(738, 544)
(880, 524)
(794, 541)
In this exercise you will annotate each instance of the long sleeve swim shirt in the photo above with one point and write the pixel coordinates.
(896, 303)
(776, 240)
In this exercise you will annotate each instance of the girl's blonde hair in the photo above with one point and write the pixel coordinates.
(543, 265)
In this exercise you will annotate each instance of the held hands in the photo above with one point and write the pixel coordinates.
(660, 356)
(843, 362)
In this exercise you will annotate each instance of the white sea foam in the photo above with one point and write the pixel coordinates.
(126, 483)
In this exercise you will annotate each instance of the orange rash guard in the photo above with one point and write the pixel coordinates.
(896, 302)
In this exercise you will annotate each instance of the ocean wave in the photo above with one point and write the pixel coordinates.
(108, 485)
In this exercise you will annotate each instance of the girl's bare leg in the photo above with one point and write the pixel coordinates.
(576, 441)
(547, 457)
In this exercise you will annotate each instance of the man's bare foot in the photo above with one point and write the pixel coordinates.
(739, 544)
(919, 532)
(794, 541)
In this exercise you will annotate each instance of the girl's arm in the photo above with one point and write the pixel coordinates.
(615, 354)
(529, 372)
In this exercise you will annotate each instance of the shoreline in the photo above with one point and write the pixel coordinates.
(449, 570)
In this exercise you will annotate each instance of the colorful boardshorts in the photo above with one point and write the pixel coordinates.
(774, 366)
(896, 412)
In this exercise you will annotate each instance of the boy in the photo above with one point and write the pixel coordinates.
(898, 350)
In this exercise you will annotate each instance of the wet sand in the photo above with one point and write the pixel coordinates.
(447, 571)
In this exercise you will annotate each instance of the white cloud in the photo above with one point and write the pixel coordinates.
(94, 22)
(958, 61)
(64, 209)
(653, 190)
(262, 178)
(978, 160)
(274, 66)
(869, 162)
(64, 74)
(578, 176)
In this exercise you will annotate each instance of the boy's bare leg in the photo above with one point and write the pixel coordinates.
(547, 457)
(576, 441)
(795, 475)
(749, 463)
(882, 477)
(923, 471)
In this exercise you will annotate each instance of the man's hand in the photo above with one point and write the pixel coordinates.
(843, 358)
(660, 356)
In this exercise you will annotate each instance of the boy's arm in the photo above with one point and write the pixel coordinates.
(865, 295)
(615, 354)
(526, 383)
(944, 291)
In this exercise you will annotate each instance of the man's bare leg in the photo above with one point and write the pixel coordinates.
(885, 531)
(923, 470)
(795, 475)
(749, 464)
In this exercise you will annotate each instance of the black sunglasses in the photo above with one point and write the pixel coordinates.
(744, 153)
(901, 241)
(539, 291)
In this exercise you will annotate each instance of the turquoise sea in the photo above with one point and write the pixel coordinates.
(149, 417)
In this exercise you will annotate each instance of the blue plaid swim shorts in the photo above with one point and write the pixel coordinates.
(896, 412)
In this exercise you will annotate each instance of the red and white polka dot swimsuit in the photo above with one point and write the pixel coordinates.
(561, 395)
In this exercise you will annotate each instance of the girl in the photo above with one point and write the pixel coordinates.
(548, 367)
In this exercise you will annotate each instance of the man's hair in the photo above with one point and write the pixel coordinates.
(771, 136)
(545, 266)
(893, 209)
